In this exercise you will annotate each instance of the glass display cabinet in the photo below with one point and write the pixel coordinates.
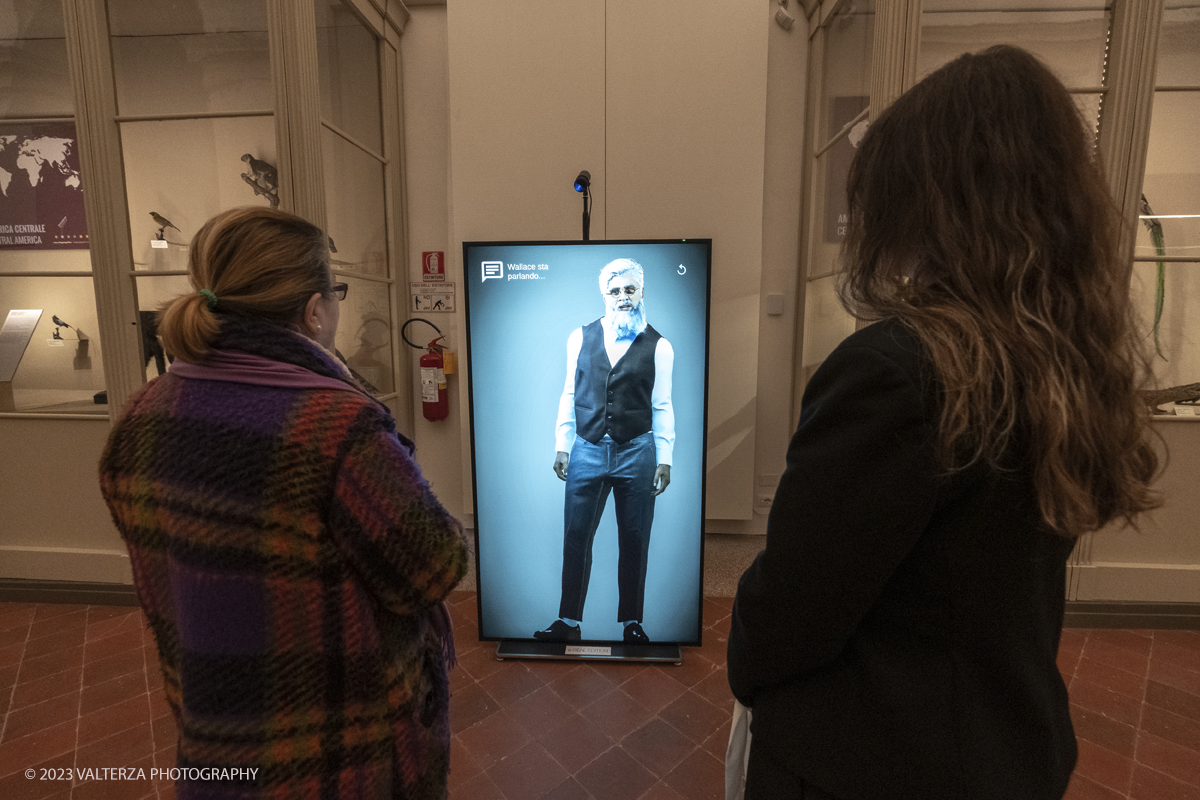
(1166, 273)
(124, 126)
(1133, 67)
(50, 349)
(188, 108)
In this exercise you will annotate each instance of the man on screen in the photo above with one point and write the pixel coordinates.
(616, 431)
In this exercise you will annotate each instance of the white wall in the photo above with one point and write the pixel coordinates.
(426, 69)
(686, 97)
(690, 121)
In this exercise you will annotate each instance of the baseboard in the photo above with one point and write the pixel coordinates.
(1079, 613)
(1161, 616)
(15, 590)
(74, 564)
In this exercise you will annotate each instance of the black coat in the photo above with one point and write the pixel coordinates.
(897, 637)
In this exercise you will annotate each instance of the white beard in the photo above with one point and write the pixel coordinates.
(628, 324)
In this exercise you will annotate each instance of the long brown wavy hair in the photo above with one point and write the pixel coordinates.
(979, 218)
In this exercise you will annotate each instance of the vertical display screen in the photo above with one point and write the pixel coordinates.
(588, 394)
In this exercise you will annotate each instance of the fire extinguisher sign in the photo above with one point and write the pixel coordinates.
(435, 297)
(433, 266)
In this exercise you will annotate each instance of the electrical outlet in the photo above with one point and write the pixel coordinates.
(762, 503)
(769, 480)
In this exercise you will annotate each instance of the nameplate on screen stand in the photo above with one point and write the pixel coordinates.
(587, 650)
(516, 648)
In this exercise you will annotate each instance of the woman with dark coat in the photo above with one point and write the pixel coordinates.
(897, 637)
(290, 558)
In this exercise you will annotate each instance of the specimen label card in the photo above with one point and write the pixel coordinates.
(14, 338)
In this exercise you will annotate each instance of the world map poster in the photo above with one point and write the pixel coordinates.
(41, 197)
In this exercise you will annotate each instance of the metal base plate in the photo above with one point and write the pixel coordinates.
(590, 652)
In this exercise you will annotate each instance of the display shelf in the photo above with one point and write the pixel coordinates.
(58, 401)
(1176, 418)
(251, 112)
(47, 274)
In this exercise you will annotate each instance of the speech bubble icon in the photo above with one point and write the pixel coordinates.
(493, 269)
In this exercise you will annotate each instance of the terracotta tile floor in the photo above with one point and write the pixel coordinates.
(79, 687)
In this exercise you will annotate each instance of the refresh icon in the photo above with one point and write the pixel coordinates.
(682, 270)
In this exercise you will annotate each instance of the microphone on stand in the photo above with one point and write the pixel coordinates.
(583, 184)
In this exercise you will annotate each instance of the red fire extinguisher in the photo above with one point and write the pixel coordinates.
(435, 400)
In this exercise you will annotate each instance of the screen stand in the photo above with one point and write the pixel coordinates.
(510, 648)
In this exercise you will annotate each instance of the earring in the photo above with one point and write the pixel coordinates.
(318, 327)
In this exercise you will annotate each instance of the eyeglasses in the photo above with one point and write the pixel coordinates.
(628, 290)
(338, 290)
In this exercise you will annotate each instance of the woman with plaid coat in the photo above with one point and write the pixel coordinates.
(289, 556)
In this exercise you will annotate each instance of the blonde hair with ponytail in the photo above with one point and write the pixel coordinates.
(257, 262)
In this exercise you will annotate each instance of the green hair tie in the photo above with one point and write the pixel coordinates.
(212, 299)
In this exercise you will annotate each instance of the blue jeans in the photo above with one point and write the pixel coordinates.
(595, 470)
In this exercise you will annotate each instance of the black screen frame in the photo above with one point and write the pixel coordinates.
(697, 640)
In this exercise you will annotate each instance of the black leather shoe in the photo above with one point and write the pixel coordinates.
(559, 631)
(635, 635)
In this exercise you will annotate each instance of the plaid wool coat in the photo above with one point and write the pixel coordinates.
(290, 559)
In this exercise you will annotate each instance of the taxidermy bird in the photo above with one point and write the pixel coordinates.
(58, 323)
(162, 222)
(263, 178)
(1160, 285)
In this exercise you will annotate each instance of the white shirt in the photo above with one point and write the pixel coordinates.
(663, 414)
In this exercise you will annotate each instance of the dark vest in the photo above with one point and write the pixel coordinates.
(614, 401)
